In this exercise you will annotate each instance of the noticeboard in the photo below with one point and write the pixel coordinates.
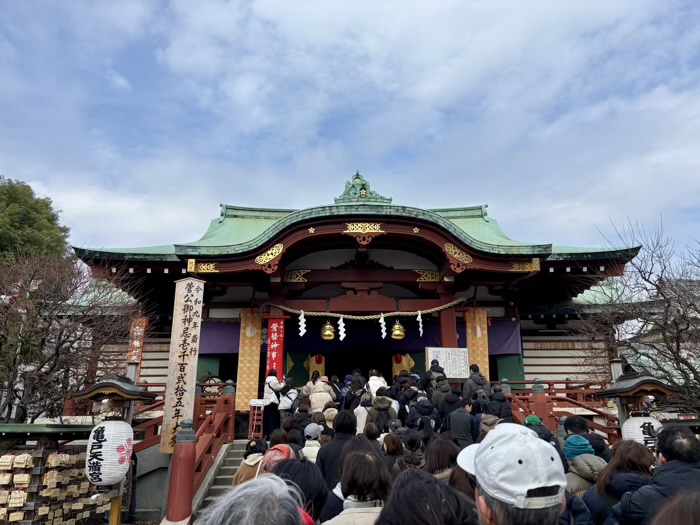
(455, 361)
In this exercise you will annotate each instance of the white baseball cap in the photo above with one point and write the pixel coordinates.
(511, 461)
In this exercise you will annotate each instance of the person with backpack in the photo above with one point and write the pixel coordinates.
(382, 411)
(500, 406)
(439, 390)
(354, 396)
(429, 382)
(362, 411)
(288, 395)
(271, 400)
(475, 382)
(449, 405)
(420, 409)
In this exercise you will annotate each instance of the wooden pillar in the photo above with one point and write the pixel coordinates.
(448, 328)
(181, 489)
(478, 338)
(249, 357)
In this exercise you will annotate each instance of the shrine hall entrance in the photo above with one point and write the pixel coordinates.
(343, 363)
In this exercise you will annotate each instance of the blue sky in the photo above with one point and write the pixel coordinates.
(139, 118)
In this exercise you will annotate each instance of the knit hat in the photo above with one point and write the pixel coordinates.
(532, 420)
(324, 379)
(576, 446)
(348, 378)
(313, 431)
(434, 362)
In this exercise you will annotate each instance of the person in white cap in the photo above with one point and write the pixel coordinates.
(519, 478)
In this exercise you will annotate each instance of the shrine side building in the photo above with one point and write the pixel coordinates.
(513, 305)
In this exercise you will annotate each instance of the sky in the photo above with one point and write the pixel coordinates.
(138, 118)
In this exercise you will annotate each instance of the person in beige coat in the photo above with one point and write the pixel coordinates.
(320, 395)
(584, 465)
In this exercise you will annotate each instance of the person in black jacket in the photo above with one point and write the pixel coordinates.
(679, 456)
(628, 470)
(420, 409)
(449, 405)
(576, 512)
(500, 406)
(328, 458)
(463, 425)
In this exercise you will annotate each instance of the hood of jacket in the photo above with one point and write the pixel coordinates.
(452, 399)
(438, 370)
(410, 394)
(500, 397)
(479, 379)
(319, 387)
(488, 422)
(311, 443)
(253, 459)
(443, 386)
(382, 403)
(587, 466)
(424, 407)
(622, 482)
(670, 476)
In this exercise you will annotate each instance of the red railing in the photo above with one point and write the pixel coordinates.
(216, 430)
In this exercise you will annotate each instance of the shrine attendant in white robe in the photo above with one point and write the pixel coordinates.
(271, 398)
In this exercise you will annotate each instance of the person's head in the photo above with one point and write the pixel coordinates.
(289, 381)
(474, 368)
(296, 437)
(680, 510)
(325, 439)
(412, 440)
(679, 443)
(308, 478)
(313, 431)
(345, 422)
(496, 388)
(449, 436)
(381, 391)
(519, 478)
(324, 379)
(329, 404)
(627, 456)
(357, 444)
(266, 500)
(371, 431)
(276, 454)
(365, 476)
(393, 446)
(434, 362)
(290, 424)
(532, 421)
(403, 373)
(576, 425)
(315, 375)
(418, 497)
(373, 373)
(440, 455)
(356, 384)
(394, 425)
(255, 446)
(348, 378)
(575, 446)
(318, 418)
(279, 437)
(304, 406)
(334, 378)
(272, 372)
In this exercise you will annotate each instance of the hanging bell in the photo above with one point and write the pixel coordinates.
(398, 332)
(327, 332)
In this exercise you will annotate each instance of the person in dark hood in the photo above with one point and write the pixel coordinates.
(628, 470)
(420, 409)
(463, 425)
(449, 405)
(440, 390)
(679, 471)
(476, 382)
(500, 406)
(429, 382)
(413, 454)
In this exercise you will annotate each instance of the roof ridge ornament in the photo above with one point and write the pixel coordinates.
(358, 190)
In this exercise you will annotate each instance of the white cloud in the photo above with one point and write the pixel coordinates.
(117, 81)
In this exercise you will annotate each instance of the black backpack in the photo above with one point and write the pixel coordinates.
(383, 418)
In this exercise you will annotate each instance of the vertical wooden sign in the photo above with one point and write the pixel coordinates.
(182, 363)
(249, 358)
(478, 338)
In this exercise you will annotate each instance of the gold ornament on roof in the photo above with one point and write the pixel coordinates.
(295, 276)
(526, 266)
(458, 254)
(270, 255)
(427, 276)
(364, 227)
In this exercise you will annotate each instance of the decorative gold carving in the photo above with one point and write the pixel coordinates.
(526, 266)
(295, 276)
(427, 276)
(191, 264)
(364, 227)
(270, 255)
(207, 268)
(458, 254)
(416, 230)
(312, 230)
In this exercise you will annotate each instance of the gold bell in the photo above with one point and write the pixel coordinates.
(327, 332)
(398, 332)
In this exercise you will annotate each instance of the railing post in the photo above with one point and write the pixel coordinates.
(229, 394)
(181, 490)
(539, 403)
(200, 408)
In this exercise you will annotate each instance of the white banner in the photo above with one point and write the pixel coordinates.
(455, 361)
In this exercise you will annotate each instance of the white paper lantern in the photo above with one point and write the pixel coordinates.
(109, 452)
(642, 429)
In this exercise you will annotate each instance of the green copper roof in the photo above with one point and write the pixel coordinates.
(239, 230)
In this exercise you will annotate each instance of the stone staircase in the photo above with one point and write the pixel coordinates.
(223, 480)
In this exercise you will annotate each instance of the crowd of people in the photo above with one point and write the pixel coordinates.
(362, 452)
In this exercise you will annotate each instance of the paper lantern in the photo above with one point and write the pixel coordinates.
(642, 429)
(109, 452)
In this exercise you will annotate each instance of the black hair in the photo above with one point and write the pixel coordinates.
(255, 446)
(497, 388)
(357, 444)
(278, 437)
(417, 497)
(381, 391)
(412, 440)
(345, 421)
(315, 375)
(296, 437)
(394, 425)
(393, 445)
(678, 442)
(308, 477)
(441, 454)
(474, 368)
(576, 425)
(371, 431)
(425, 428)
(272, 372)
(373, 373)
(365, 476)
(290, 424)
(449, 436)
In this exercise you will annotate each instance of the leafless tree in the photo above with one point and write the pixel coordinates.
(650, 315)
(55, 316)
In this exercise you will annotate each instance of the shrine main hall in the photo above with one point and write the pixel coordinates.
(450, 277)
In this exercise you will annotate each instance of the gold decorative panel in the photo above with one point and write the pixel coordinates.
(526, 266)
(248, 358)
(295, 276)
(364, 227)
(478, 338)
(458, 254)
(270, 255)
(206, 268)
(427, 276)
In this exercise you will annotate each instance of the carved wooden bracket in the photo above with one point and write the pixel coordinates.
(458, 259)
